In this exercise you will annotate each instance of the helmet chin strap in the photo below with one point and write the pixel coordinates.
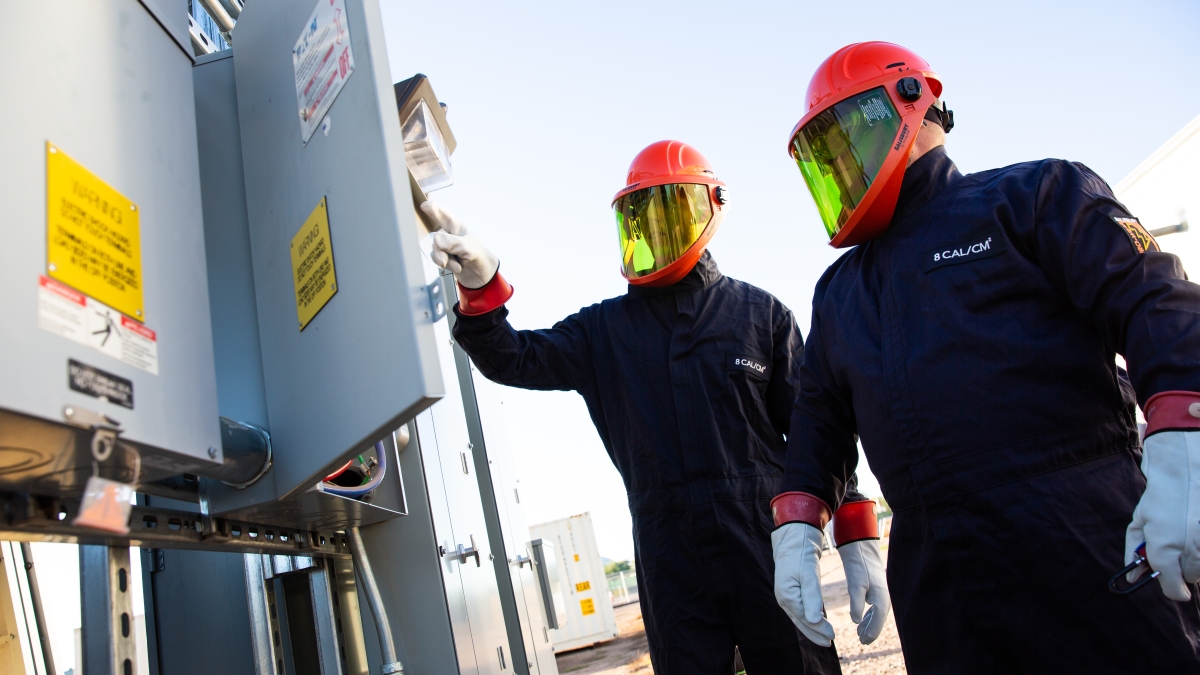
(941, 116)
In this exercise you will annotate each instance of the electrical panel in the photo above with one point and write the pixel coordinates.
(105, 302)
(344, 314)
(215, 298)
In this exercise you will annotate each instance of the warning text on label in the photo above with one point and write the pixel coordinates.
(70, 314)
(93, 235)
(323, 61)
(312, 265)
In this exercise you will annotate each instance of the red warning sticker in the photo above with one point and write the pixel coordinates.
(68, 313)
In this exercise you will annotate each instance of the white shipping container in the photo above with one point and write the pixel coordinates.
(589, 610)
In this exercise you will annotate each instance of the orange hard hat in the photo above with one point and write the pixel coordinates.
(669, 209)
(865, 106)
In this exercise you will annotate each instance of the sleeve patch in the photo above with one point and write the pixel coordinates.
(1138, 236)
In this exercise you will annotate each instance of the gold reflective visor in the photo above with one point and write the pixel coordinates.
(657, 225)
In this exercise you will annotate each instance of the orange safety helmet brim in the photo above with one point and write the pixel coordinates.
(854, 69)
(675, 163)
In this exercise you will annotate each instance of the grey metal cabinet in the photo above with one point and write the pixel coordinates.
(462, 532)
(500, 485)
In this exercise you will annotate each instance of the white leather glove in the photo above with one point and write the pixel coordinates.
(797, 550)
(866, 582)
(457, 251)
(1168, 516)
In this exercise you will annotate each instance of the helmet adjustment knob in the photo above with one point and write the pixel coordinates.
(722, 194)
(909, 88)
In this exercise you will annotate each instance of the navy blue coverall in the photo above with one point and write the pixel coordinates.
(971, 348)
(691, 389)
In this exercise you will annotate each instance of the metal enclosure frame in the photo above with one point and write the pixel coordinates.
(125, 114)
(219, 292)
(381, 306)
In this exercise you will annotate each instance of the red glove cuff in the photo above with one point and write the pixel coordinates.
(476, 301)
(855, 521)
(1179, 410)
(800, 507)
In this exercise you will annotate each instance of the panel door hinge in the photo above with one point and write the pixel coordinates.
(437, 301)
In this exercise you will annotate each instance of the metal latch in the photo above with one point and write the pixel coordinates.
(437, 301)
(88, 419)
(461, 553)
(104, 430)
(523, 560)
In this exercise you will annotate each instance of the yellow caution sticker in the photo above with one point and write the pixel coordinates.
(587, 606)
(312, 265)
(583, 586)
(576, 557)
(93, 236)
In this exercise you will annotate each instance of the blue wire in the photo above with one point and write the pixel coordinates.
(361, 490)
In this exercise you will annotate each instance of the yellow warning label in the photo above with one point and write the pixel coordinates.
(587, 606)
(583, 586)
(93, 240)
(312, 265)
(576, 557)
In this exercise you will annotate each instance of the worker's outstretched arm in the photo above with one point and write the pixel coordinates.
(539, 359)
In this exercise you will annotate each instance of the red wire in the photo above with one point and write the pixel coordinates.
(339, 472)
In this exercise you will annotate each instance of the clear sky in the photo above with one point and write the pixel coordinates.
(550, 101)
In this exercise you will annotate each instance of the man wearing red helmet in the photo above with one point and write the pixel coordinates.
(969, 341)
(690, 378)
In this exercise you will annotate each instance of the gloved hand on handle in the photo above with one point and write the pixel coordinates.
(797, 549)
(481, 289)
(456, 250)
(1168, 516)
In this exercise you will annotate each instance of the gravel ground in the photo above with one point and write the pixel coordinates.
(629, 655)
(626, 655)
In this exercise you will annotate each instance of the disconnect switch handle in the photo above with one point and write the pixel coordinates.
(461, 553)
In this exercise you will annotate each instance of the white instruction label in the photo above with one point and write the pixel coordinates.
(68, 313)
(323, 62)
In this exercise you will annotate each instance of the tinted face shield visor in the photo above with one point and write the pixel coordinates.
(842, 150)
(657, 225)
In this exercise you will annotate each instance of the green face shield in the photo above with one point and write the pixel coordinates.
(655, 226)
(841, 150)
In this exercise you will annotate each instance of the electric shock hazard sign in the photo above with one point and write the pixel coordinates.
(70, 314)
(312, 265)
(93, 236)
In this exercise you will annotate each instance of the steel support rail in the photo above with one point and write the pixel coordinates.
(25, 517)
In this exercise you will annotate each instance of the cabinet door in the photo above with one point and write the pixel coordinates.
(439, 508)
(466, 527)
(507, 488)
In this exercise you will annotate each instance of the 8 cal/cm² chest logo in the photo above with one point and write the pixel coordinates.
(984, 246)
(757, 367)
